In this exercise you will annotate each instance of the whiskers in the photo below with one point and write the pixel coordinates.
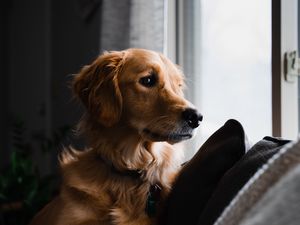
(161, 124)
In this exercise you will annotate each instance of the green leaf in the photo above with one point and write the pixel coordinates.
(14, 161)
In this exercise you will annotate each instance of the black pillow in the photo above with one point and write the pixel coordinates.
(238, 176)
(200, 176)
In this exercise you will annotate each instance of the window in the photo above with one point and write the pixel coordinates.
(235, 65)
(284, 96)
(228, 50)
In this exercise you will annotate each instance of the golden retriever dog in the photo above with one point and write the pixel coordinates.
(135, 113)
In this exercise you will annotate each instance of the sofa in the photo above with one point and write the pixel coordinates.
(229, 182)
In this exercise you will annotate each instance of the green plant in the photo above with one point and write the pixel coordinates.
(23, 191)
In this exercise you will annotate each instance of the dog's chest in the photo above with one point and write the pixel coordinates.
(139, 205)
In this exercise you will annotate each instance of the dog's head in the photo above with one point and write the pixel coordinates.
(139, 88)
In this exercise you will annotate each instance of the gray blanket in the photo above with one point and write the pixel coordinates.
(272, 196)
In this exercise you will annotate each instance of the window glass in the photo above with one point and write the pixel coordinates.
(234, 66)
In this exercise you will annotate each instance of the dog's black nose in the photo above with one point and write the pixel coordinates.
(192, 117)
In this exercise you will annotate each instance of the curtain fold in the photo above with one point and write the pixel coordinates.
(132, 24)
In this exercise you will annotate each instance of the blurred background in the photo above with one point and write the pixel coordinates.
(231, 51)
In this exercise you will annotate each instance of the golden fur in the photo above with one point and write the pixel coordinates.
(128, 126)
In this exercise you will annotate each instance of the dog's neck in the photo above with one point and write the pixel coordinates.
(120, 145)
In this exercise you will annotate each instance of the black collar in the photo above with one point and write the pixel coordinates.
(136, 174)
(154, 190)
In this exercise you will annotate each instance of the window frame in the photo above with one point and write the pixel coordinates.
(285, 115)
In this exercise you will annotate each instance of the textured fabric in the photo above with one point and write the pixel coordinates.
(280, 205)
(238, 176)
(200, 176)
(262, 182)
(132, 24)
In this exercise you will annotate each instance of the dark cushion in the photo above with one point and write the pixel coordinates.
(237, 177)
(200, 176)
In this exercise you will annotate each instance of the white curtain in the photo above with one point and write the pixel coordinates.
(132, 24)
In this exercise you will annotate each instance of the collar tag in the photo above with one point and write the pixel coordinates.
(153, 198)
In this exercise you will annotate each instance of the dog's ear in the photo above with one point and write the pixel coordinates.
(97, 87)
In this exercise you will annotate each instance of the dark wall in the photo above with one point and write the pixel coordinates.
(75, 42)
(26, 68)
(27, 61)
(42, 44)
(4, 11)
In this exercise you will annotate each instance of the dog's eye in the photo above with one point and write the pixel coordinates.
(148, 81)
